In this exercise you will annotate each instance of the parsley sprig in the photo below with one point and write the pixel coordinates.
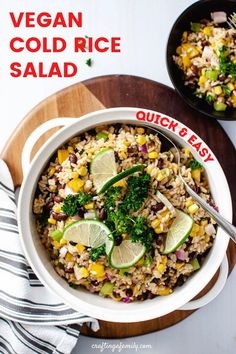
(73, 202)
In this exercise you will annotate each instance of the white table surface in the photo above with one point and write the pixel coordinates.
(144, 26)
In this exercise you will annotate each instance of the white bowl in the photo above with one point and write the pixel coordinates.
(92, 304)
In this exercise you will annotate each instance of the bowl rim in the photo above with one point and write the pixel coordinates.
(148, 309)
(187, 100)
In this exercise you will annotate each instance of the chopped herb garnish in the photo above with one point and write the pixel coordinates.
(95, 253)
(226, 90)
(89, 62)
(194, 165)
(147, 261)
(73, 286)
(210, 98)
(73, 202)
(227, 67)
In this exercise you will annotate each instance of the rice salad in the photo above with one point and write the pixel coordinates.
(109, 233)
(207, 57)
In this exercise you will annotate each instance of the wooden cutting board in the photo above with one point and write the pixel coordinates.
(130, 91)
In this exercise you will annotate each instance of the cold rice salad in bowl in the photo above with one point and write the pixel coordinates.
(115, 218)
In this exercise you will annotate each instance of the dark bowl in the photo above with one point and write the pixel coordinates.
(194, 13)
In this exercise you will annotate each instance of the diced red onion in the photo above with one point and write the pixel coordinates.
(210, 230)
(215, 62)
(219, 16)
(76, 217)
(144, 149)
(181, 255)
(126, 299)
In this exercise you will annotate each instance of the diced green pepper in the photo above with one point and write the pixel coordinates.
(195, 264)
(56, 235)
(101, 135)
(210, 98)
(123, 272)
(220, 106)
(212, 74)
(195, 27)
(106, 289)
(227, 91)
(147, 261)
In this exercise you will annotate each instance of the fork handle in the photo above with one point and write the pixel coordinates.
(221, 221)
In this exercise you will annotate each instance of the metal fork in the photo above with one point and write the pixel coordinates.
(232, 20)
(221, 221)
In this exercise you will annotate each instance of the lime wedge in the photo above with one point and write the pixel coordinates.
(127, 254)
(121, 175)
(178, 232)
(103, 168)
(90, 233)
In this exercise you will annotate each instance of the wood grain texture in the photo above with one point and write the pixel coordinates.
(127, 91)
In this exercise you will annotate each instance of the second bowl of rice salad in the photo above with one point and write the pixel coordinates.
(201, 58)
(113, 221)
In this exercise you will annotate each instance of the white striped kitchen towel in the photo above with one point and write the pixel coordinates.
(32, 320)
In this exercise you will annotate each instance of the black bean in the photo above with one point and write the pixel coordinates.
(150, 295)
(222, 77)
(156, 281)
(94, 282)
(129, 292)
(180, 280)
(159, 239)
(58, 168)
(118, 240)
(73, 243)
(81, 212)
(102, 214)
(69, 270)
(195, 70)
(59, 216)
(145, 295)
(132, 149)
(58, 199)
(72, 158)
(60, 186)
(192, 255)
(49, 205)
(157, 207)
(196, 188)
(160, 162)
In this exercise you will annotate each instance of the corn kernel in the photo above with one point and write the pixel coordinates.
(188, 203)
(195, 230)
(196, 174)
(218, 90)
(84, 272)
(233, 99)
(80, 248)
(56, 244)
(63, 242)
(53, 188)
(204, 222)
(140, 130)
(207, 31)
(207, 238)
(186, 62)
(179, 265)
(158, 230)
(110, 135)
(155, 223)
(51, 171)
(85, 283)
(75, 184)
(96, 269)
(69, 221)
(89, 206)
(201, 230)
(75, 175)
(83, 171)
(141, 139)
(185, 35)
(179, 50)
(230, 86)
(62, 155)
(193, 208)
(186, 151)
(57, 209)
(160, 176)
(164, 213)
(164, 259)
(202, 80)
(91, 150)
(149, 169)
(140, 262)
(123, 154)
(120, 183)
(160, 268)
(164, 291)
(69, 257)
(52, 221)
(70, 149)
(153, 155)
